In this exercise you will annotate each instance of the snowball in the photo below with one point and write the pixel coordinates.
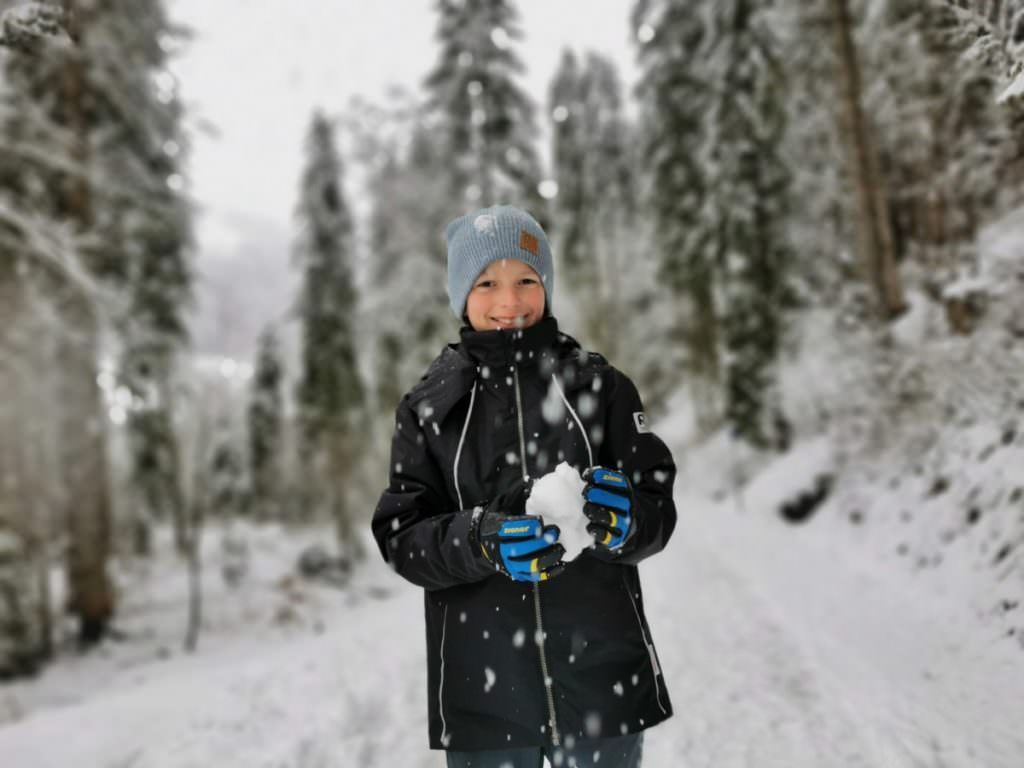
(558, 498)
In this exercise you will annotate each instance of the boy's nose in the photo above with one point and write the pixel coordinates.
(508, 297)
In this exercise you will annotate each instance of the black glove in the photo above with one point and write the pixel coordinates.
(609, 506)
(517, 544)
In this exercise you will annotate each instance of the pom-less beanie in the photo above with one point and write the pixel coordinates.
(488, 235)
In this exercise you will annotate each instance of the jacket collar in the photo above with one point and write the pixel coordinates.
(454, 371)
(513, 347)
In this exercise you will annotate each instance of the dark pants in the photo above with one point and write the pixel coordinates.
(618, 752)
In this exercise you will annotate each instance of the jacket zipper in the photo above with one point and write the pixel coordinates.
(536, 585)
(544, 665)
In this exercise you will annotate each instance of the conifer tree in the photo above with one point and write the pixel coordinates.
(595, 203)
(569, 156)
(266, 418)
(50, 125)
(820, 185)
(147, 220)
(748, 208)
(122, 187)
(675, 95)
(330, 391)
(486, 117)
(409, 306)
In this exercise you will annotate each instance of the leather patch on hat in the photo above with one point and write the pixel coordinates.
(529, 242)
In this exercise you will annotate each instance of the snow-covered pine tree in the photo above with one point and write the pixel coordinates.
(144, 229)
(226, 474)
(51, 120)
(33, 260)
(27, 465)
(330, 391)
(486, 117)
(748, 208)
(819, 191)
(672, 37)
(595, 205)
(265, 423)
(572, 216)
(408, 306)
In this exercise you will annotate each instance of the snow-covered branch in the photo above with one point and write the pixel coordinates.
(23, 26)
(49, 245)
(990, 43)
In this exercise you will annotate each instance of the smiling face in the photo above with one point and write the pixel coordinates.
(508, 294)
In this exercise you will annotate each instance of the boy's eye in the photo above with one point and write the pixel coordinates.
(485, 284)
(528, 281)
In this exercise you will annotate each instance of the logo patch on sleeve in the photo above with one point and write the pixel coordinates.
(529, 242)
(640, 419)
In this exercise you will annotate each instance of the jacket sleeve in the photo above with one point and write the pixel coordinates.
(632, 448)
(418, 533)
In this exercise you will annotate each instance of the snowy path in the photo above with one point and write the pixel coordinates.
(779, 651)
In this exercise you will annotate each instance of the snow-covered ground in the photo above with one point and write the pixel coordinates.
(783, 646)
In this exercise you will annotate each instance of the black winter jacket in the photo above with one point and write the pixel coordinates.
(513, 664)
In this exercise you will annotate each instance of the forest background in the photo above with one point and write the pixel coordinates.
(773, 225)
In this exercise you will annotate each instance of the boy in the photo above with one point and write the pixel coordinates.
(528, 656)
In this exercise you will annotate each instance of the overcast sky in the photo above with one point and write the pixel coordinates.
(253, 73)
(257, 68)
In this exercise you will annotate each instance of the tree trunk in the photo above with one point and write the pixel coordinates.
(83, 417)
(84, 459)
(339, 470)
(874, 228)
(27, 466)
(197, 504)
(175, 492)
(195, 574)
(702, 341)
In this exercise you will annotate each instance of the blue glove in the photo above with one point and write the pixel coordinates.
(609, 506)
(519, 545)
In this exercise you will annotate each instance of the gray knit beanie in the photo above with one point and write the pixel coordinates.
(491, 234)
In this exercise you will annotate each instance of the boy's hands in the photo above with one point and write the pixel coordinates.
(519, 545)
(609, 506)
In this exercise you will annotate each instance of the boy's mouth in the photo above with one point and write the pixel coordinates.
(517, 321)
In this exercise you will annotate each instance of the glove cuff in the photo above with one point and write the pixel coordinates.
(475, 543)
